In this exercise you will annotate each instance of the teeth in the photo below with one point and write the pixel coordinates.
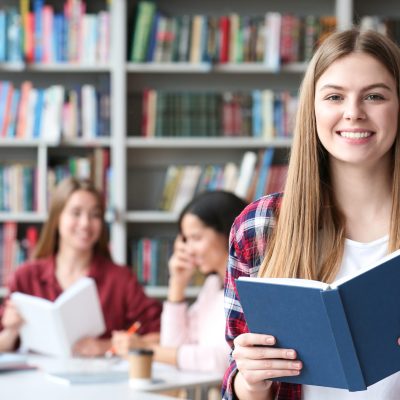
(355, 135)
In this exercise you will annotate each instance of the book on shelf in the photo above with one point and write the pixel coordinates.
(149, 258)
(187, 187)
(75, 314)
(95, 166)
(18, 187)
(53, 113)
(17, 242)
(43, 35)
(345, 333)
(260, 113)
(246, 171)
(273, 39)
(265, 163)
(253, 178)
(276, 178)
(145, 12)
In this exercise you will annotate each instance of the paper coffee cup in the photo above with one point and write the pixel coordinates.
(140, 362)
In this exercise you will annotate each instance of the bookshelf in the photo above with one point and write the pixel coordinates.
(139, 164)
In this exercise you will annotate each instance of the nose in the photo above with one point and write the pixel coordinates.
(353, 110)
(84, 219)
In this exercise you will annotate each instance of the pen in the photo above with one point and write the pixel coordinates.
(130, 331)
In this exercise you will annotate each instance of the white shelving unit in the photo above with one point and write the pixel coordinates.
(132, 157)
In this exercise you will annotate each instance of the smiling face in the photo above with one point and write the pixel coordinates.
(80, 222)
(207, 247)
(356, 109)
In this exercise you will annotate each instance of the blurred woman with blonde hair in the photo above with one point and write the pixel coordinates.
(74, 244)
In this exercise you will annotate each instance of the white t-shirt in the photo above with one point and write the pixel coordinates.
(357, 255)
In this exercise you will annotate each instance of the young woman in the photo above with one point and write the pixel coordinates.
(340, 209)
(74, 244)
(192, 337)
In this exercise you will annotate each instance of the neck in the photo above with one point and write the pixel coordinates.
(222, 269)
(71, 262)
(365, 197)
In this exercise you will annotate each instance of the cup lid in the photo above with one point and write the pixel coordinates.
(144, 352)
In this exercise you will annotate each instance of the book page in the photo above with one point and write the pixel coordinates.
(86, 371)
(8, 361)
(41, 330)
(53, 328)
(289, 282)
(80, 311)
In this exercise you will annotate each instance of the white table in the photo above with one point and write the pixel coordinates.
(24, 384)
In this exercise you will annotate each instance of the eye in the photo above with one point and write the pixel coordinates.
(96, 214)
(75, 212)
(374, 97)
(334, 97)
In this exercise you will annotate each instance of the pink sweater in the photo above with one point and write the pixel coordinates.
(198, 330)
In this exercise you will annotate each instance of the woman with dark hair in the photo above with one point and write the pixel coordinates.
(74, 244)
(192, 337)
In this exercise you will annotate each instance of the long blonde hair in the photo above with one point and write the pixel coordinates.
(308, 240)
(49, 237)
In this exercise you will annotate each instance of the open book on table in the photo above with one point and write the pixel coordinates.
(345, 333)
(10, 362)
(53, 327)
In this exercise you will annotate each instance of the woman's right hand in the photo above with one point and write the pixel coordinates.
(123, 341)
(11, 319)
(181, 269)
(257, 362)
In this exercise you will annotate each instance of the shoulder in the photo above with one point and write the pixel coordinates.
(112, 271)
(34, 267)
(31, 271)
(212, 283)
(258, 217)
(250, 234)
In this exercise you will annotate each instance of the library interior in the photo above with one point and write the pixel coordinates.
(139, 107)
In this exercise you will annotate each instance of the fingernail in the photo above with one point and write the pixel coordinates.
(294, 372)
(290, 354)
(296, 364)
(270, 340)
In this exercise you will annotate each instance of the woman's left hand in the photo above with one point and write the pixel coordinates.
(91, 347)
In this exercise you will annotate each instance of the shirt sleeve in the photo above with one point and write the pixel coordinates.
(235, 322)
(202, 358)
(199, 339)
(174, 322)
(14, 285)
(247, 245)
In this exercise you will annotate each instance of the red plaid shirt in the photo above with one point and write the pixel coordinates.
(246, 251)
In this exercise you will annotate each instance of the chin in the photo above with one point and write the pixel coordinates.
(85, 248)
(206, 270)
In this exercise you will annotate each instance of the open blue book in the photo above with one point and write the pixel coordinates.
(345, 333)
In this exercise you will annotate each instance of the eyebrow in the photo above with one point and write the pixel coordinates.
(369, 87)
